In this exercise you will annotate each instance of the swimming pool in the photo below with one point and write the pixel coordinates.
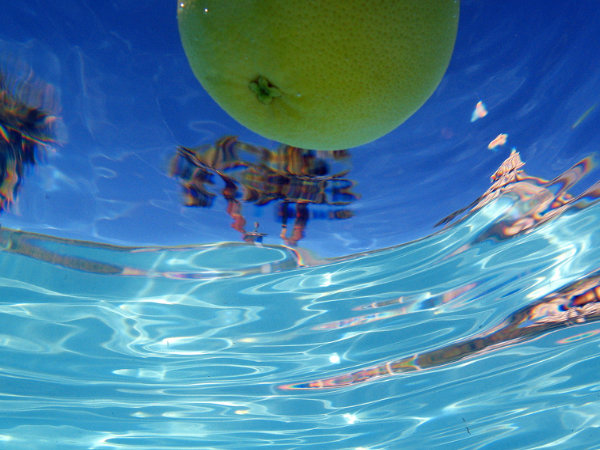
(400, 298)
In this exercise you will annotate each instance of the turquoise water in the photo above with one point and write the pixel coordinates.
(169, 279)
(474, 337)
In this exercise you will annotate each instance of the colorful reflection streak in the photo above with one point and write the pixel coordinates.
(576, 303)
(290, 176)
(26, 130)
(410, 304)
(536, 202)
(414, 303)
(539, 200)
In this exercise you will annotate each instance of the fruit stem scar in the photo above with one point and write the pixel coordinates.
(264, 90)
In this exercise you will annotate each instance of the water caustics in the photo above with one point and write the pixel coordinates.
(472, 332)
(537, 201)
(204, 333)
(207, 344)
(577, 303)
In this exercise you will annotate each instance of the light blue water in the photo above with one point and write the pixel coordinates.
(482, 335)
(241, 346)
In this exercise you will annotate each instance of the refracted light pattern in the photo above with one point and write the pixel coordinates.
(545, 199)
(576, 303)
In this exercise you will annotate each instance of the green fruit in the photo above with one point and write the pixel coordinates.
(319, 74)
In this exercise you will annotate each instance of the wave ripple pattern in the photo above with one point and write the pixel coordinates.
(469, 337)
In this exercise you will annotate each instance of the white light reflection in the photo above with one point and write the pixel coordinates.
(350, 418)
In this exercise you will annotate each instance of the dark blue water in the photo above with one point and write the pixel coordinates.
(129, 320)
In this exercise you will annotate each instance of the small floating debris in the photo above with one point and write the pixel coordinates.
(479, 112)
(498, 141)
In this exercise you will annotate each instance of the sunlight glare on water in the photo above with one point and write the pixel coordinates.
(171, 347)
(168, 279)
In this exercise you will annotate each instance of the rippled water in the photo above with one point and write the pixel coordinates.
(476, 336)
(320, 330)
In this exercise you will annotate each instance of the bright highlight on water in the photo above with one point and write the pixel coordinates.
(172, 280)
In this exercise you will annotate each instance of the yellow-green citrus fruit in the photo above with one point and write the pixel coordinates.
(319, 74)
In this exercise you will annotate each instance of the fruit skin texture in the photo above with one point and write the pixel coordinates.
(319, 74)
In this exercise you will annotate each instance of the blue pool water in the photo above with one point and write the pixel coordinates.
(240, 346)
(412, 302)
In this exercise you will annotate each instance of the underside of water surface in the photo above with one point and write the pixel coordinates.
(476, 330)
(169, 279)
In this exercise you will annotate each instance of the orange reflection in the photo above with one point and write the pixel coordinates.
(539, 200)
(294, 178)
(26, 130)
(498, 141)
(479, 112)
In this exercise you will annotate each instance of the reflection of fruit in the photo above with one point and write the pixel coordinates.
(320, 74)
